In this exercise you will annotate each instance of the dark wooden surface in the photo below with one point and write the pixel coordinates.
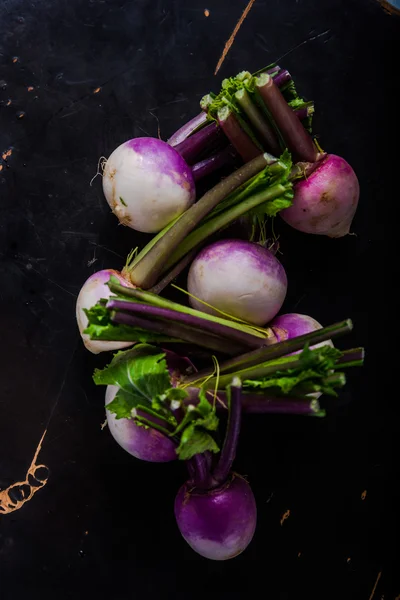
(78, 77)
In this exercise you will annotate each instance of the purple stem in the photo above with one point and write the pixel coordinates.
(201, 474)
(178, 331)
(295, 136)
(224, 465)
(274, 71)
(186, 130)
(239, 139)
(257, 404)
(229, 333)
(282, 77)
(194, 145)
(226, 157)
(304, 112)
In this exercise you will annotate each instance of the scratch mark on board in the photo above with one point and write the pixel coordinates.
(285, 516)
(230, 41)
(375, 586)
(310, 39)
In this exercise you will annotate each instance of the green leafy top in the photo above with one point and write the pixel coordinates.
(146, 395)
(314, 367)
(245, 80)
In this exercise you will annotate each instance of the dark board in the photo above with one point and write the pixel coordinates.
(78, 77)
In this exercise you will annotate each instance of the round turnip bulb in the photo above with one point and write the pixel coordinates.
(217, 524)
(325, 202)
(291, 325)
(147, 184)
(239, 278)
(94, 289)
(141, 442)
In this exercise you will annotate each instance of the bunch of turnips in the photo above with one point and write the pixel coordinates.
(224, 349)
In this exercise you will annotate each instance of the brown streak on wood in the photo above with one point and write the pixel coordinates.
(375, 586)
(285, 516)
(229, 43)
(7, 504)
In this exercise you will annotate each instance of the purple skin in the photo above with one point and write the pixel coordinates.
(218, 524)
(147, 184)
(240, 278)
(186, 130)
(291, 325)
(147, 443)
(144, 443)
(325, 202)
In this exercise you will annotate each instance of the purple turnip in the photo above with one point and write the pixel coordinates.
(147, 184)
(326, 201)
(94, 289)
(215, 510)
(144, 443)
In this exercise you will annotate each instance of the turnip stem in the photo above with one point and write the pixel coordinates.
(228, 452)
(351, 358)
(154, 300)
(258, 403)
(174, 330)
(146, 272)
(201, 474)
(222, 220)
(304, 111)
(283, 405)
(173, 273)
(265, 354)
(193, 146)
(239, 139)
(282, 77)
(296, 137)
(186, 130)
(209, 165)
(257, 119)
(224, 331)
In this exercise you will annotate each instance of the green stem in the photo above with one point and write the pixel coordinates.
(129, 267)
(256, 358)
(197, 237)
(146, 272)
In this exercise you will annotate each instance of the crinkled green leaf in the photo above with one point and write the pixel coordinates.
(314, 365)
(141, 373)
(195, 441)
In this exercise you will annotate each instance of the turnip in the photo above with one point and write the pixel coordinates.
(239, 278)
(94, 289)
(145, 443)
(216, 512)
(325, 202)
(291, 325)
(147, 184)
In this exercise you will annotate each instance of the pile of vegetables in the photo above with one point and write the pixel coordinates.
(182, 370)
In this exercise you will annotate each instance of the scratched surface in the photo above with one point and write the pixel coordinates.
(77, 78)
